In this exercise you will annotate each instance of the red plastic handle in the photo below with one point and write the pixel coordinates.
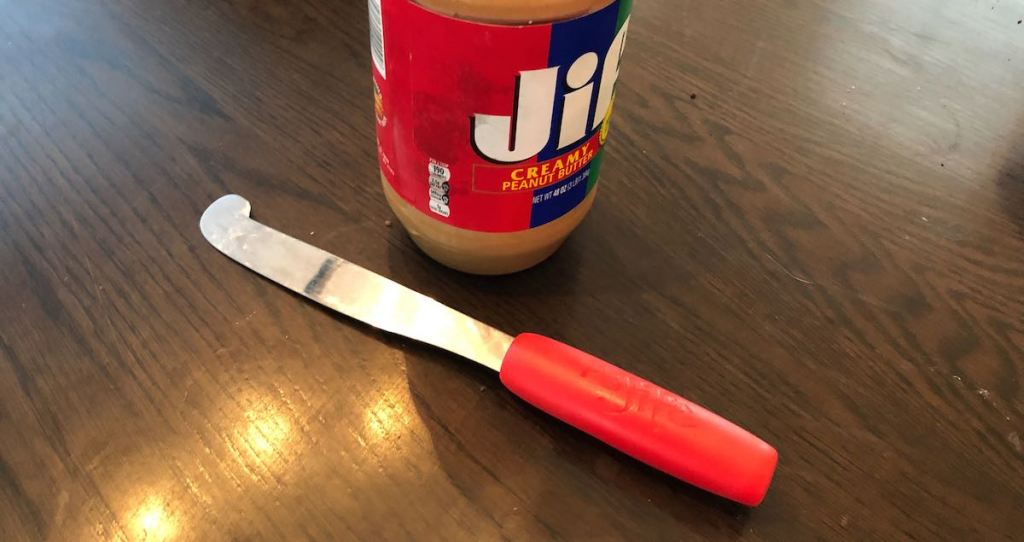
(645, 421)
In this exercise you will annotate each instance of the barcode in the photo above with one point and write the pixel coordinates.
(377, 38)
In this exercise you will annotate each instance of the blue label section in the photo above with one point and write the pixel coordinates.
(569, 41)
(553, 202)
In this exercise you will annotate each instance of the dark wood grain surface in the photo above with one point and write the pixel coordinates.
(811, 221)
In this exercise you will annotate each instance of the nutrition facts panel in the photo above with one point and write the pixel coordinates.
(439, 177)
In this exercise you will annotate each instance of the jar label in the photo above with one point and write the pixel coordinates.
(493, 128)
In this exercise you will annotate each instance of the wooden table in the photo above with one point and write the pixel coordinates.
(811, 221)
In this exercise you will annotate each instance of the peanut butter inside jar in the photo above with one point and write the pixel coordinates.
(487, 253)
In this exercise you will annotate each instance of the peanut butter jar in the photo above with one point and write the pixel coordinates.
(492, 117)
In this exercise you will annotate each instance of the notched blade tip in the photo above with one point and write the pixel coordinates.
(219, 214)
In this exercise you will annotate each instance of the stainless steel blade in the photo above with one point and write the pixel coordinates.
(346, 287)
